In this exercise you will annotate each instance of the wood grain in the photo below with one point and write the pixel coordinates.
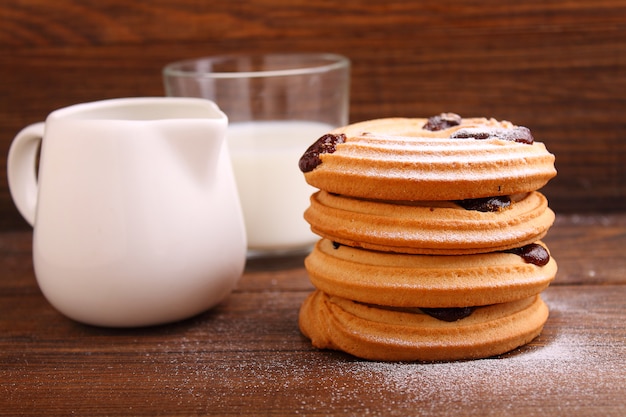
(589, 249)
(557, 67)
(247, 357)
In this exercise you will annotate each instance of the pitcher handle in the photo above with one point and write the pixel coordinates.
(21, 170)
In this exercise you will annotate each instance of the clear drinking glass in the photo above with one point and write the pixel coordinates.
(277, 106)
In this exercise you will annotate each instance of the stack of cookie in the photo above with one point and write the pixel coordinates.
(430, 238)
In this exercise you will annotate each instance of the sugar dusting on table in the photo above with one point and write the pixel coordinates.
(294, 379)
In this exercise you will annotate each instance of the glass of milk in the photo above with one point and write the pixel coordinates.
(277, 106)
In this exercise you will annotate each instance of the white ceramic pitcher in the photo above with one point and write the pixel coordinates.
(135, 210)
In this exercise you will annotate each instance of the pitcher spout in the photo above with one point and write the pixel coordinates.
(197, 138)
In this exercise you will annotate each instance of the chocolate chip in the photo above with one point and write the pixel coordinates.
(532, 253)
(518, 134)
(449, 314)
(442, 121)
(473, 133)
(487, 204)
(325, 144)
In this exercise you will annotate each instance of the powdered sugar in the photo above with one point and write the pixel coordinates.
(566, 370)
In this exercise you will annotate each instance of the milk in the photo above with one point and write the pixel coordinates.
(273, 192)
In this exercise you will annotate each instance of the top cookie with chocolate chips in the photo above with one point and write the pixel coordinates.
(444, 157)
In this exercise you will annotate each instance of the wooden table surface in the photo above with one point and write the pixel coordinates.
(247, 357)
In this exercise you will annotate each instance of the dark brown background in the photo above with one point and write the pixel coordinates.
(558, 67)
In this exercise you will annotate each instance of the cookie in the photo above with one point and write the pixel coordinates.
(401, 159)
(399, 280)
(382, 334)
(430, 242)
(430, 227)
